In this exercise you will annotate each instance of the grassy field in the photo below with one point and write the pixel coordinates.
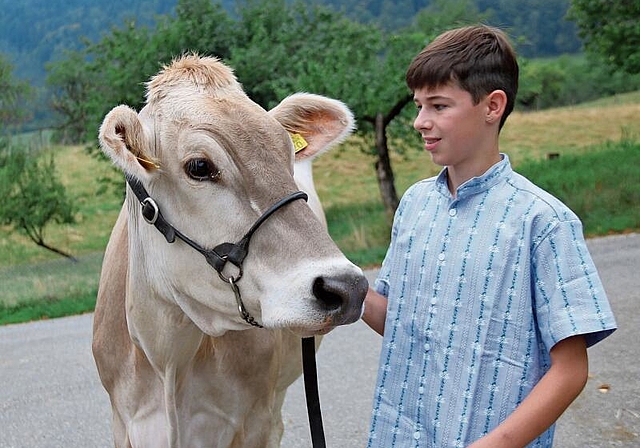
(591, 175)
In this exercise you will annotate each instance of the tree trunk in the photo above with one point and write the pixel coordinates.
(384, 172)
(44, 245)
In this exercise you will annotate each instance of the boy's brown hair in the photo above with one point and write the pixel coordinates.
(479, 59)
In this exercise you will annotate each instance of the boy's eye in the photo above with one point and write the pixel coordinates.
(439, 106)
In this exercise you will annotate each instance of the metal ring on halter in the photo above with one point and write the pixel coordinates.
(230, 279)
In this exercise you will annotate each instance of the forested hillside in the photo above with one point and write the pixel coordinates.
(34, 32)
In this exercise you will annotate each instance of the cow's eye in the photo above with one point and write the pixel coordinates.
(202, 169)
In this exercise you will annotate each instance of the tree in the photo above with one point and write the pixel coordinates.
(32, 195)
(71, 86)
(277, 48)
(542, 84)
(365, 66)
(13, 94)
(361, 64)
(610, 30)
(314, 49)
(89, 81)
(114, 70)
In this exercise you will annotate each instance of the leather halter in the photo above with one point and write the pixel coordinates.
(219, 256)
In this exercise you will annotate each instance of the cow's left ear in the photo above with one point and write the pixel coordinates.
(322, 122)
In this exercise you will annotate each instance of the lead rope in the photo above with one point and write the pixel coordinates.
(310, 375)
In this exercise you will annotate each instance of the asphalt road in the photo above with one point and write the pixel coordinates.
(50, 395)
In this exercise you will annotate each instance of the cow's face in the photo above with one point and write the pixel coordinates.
(214, 161)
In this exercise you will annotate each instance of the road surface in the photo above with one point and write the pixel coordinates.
(50, 395)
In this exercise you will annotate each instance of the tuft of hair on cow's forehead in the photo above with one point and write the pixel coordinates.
(196, 92)
(202, 74)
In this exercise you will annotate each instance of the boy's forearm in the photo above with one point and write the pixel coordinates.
(555, 391)
(375, 311)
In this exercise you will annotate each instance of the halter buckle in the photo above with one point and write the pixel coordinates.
(150, 210)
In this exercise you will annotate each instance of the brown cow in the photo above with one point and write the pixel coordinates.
(181, 365)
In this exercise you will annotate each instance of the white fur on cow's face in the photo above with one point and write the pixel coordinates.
(296, 305)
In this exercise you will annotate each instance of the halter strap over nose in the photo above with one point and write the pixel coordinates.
(219, 256)
(235, 253)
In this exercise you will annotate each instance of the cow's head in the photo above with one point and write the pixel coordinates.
(214, 161)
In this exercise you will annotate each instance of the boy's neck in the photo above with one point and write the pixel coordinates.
(459, 174)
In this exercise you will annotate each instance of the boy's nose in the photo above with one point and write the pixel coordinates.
(422, 122)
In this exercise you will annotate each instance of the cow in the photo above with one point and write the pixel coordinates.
(196, 349)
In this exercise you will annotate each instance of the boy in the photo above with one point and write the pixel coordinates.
(487, 297)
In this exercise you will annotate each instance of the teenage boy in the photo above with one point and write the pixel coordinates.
(487, 297)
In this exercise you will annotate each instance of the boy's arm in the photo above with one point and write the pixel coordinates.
(555, 391)
(375, 311)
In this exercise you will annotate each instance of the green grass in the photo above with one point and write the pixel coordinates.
(39, 309)
(626, 98)
(361, 231)
(596, 175)
(602, 186)
(49, 289)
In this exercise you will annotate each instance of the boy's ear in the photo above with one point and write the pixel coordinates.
(496, 103)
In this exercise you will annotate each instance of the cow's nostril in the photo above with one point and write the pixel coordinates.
(341, 296)
(330, 293)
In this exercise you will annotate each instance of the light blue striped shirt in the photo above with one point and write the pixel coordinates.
(480, 287)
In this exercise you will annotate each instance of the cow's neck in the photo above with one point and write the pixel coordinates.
(199, 396)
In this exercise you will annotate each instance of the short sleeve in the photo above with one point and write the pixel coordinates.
(569, 298)
(383, 281)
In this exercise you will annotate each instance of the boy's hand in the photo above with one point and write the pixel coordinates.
(375, 311)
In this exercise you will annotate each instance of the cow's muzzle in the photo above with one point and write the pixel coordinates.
(341, 296)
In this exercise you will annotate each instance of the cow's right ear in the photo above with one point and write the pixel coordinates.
(123, 139)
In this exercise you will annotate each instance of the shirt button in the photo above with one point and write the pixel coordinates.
(441, 256)
(416, 435)
(427, 347)
(453, 212)
(421, 389)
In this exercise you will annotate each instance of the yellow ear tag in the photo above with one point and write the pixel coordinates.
(299, 143)
(148, 164)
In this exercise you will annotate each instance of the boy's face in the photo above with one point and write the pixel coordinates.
(456, 132)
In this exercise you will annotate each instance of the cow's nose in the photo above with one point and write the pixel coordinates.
(342, 296)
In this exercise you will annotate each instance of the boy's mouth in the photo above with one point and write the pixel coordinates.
(430, 143)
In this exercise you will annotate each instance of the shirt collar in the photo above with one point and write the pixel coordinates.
(475, 185)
